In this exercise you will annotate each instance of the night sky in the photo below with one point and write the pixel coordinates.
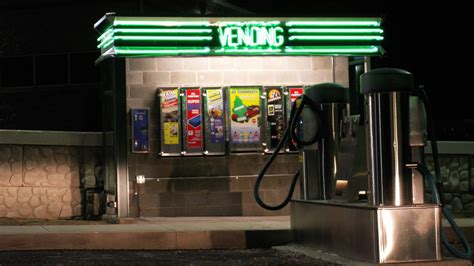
(433, 41)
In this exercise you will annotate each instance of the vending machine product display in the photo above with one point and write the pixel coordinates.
(192, 121)
(170, 117)
(140, 139)
(214, 122)
(292, 92)
(244, 107)
(275, 117)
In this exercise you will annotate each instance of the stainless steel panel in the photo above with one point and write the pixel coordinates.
(368, 233)
(409, 234)
(349, 231)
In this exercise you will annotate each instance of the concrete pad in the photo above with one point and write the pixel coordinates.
(65, 229)
(21, 229)
(153, 233)
(140, 240)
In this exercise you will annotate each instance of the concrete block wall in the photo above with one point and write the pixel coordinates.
(188, 186)
(43, 181)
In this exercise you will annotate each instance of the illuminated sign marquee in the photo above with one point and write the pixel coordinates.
(250, 36)
(134, 36)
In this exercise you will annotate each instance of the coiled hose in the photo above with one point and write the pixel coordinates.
(437, 185)
(294, 129)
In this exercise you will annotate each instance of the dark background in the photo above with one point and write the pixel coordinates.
(48, 48)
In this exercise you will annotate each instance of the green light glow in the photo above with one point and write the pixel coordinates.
(335, 38)
(164, 30)
(335, 31)
(160, 23)
(333, 49)
(250, 36)
(106, 42)
(164, 38)
(111, 32)
(246, 23)
(334, 23)
(106, 33)
(248, 50)
(161, 50)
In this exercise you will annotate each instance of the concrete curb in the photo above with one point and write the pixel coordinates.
(238, 239)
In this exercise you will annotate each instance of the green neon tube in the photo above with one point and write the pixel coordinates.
(164, 38)
(105, 34)
(248, 50)
(105, 43)
(168, 50)
(247, 23)
(334, 23)
(334, 37)
(160, 23)
(111, 32)
(335, 31)
(332, 49)
(164, 30)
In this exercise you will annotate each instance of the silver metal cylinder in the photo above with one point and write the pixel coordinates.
(388, 127)
(320, 159)
(333, 114)
(418, 141)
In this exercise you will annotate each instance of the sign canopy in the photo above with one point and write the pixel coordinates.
(178, 36)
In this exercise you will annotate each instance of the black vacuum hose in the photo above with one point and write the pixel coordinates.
(294, 129)
(437, 185)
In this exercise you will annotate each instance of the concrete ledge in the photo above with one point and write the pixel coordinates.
(154, 233)
(190, 240)
(60, 138)
(452, 147)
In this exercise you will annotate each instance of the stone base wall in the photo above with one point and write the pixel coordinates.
(44, 181)
(458, 182)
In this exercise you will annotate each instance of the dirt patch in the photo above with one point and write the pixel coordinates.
(127, 257)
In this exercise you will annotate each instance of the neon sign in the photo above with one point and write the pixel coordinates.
(147, 36)
(250, 36)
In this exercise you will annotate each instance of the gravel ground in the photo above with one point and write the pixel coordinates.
(198, 257)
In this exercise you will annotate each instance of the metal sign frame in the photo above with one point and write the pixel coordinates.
(290, 146)
(215, 120)
(191, 128)
(275, 117)
(170, 131)
(238, 114)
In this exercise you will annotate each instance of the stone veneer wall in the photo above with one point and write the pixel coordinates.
(186, 186)
(457, 171)
(44, 181)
